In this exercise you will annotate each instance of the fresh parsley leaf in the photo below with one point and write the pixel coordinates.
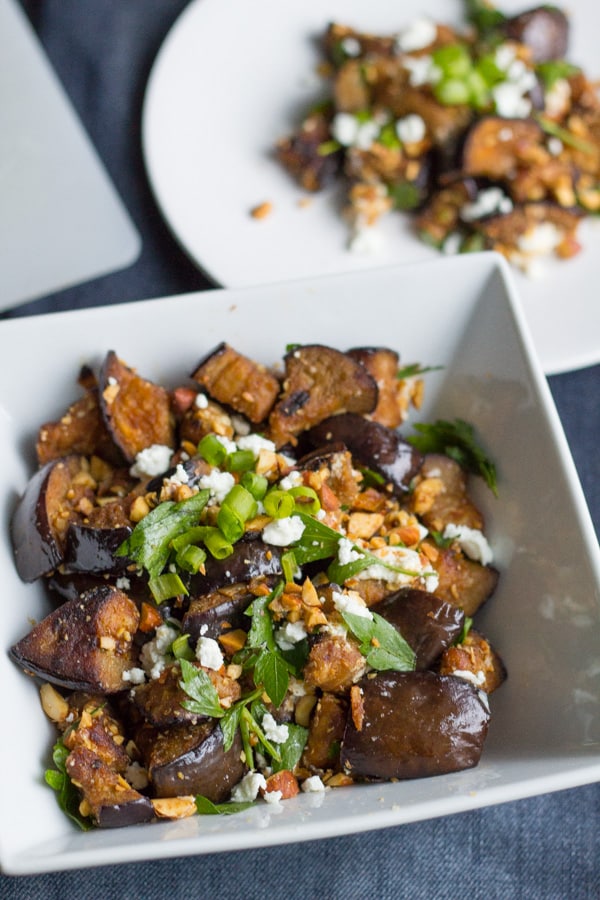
(292, 749)
(318, 541)
(261, 630)
(553, 70)
(149, 544)
(230, 722)
(457, 440)
(271, 671)
(381, 644)
(206, 807)
(484, 16)
(67, 794)
(198, 686)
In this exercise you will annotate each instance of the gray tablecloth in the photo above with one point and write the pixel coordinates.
(545, 847)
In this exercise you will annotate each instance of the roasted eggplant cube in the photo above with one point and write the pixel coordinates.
(544, 30)
(85, 644)
(429, 625)
(415, 725)
(191, 759)
(238, 382)
(107, 797)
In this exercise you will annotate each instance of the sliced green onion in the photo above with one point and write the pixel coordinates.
(180, 648)
(241, 500)
(240, 461)
(328, 147)
(305, 499)
(191, 559)
(217, 544)
(191, 536)
(289, 565)
(279, 504)
(231, 523)
(452, 91)
(166, 586)
(257, 485)
(212, 450)
(388, 137)
(453, 60)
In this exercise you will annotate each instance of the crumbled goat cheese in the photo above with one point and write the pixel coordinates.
(403, 558)
(411, 129)
(274, 732)
(179, 476)
(230, 446)
(153, 654)
(555, 146)
(123, 583)
(346, 552)
(489, 201)
(351, 46)
(312, 784)
(272, 796)
(422, 70)
(289, 634)
(218, 483)
(201, 401)
(472, 542)
(240, 425)
(542, 239)
(208, 653)
(294, 479)
(134, 676)
(350, 132)
(137, 776)
(419, 34)
(248, 788)
(151, 461)
(282, 532)
(510, 102)
(351, 603)
(255, 443)
(476, 678)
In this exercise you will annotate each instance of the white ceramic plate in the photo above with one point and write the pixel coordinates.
(231, 78)
(544, 618)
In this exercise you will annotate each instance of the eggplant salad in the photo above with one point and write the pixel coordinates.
(258, 585)
(487, 134)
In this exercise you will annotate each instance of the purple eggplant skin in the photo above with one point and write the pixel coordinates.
(251, 558)
(92, 550)
(36, 548)
(191, 759)
(429, 625)
(213, 613)
(415, 725)
(544, 29)
(372, 445)
(119, 815)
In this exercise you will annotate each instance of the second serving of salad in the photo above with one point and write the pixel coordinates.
(487, 134)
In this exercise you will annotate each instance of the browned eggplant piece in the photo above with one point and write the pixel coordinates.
(41, 519)
(220, 610)
(336, 34)
(503, 232)
(463, 582)
(107, 797)
(334, 663)
(495, 148)
(543, 29)
(251, 558)
(382, 363)
(325, 733)
(238, 382)
(85, 644)
(137, 412)
(96, 727)
(190, 759)
(441, 495)
(342, 479)
(319, 382)
(301, 156)
(441, 216)
(373, 446)
(415, 725)
(476, 660)
(81, 430)
(429, 625)
(198, 421)
(160, 701)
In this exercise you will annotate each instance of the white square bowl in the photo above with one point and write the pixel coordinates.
(544, 619)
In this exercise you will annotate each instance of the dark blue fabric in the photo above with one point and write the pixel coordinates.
(545, 847)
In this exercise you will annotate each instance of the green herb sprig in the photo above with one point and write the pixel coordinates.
(457, 440)
(67, 794)
(381, 644)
